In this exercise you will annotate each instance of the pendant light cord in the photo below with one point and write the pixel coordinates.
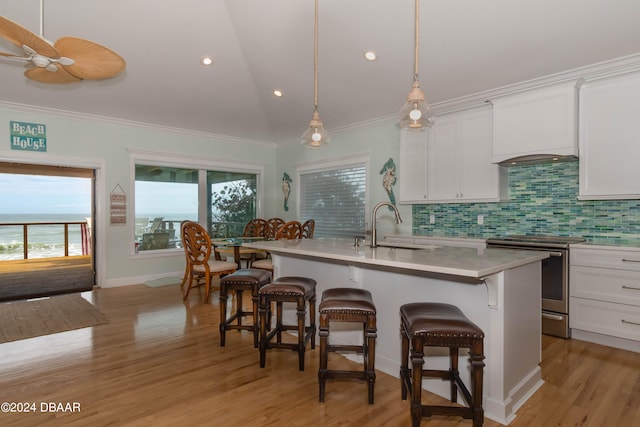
(417, 41)
(42, 18)
(315, 60)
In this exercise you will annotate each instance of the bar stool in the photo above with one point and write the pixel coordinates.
(348, 305)
(300, 290)
(440, 325)
(247, 279)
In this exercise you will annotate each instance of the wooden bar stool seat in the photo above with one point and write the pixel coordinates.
(247, 279)
(299, 290)
(348, 305)
(440, 325)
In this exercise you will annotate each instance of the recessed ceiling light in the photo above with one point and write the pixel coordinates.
(370, 55)
(206, 61)
(277, 92)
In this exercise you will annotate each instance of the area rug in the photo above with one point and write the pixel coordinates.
(163, 281)
(43, 316)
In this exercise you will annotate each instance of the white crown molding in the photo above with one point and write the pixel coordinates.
(31, 109)
(601, 70)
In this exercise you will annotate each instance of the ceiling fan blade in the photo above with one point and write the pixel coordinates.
(20, 36)
(92, 61)
(13, 56)
(45, 76)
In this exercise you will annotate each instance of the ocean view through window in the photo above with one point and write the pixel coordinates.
(42, 199)
(165, 196)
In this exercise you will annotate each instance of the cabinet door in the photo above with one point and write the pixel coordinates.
(443, 181)
(412, 169)
(479, 178)
(537, 121)
(610, 139)
(459, 158)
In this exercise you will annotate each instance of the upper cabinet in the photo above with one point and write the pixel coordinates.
(541, 121)
(412, 170)
(459, 167)
(451, 162)
(610, 138)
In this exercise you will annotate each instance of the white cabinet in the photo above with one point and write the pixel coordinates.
(541, 121)
(605, 295)
(459, 167)
(610, 138)
(412, 170)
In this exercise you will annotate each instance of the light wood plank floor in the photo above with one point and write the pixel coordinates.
(29, 278)
(158, 363)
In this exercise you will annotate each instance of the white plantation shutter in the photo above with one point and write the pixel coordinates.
(336, 199)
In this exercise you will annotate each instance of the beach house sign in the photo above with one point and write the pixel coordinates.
(28, 136)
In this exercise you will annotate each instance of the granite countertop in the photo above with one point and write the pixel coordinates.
(451, 260)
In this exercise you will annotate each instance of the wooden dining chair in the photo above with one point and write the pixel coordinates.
(273, 225)
(257, 227)
(200, 268)
(307, 229)
(290, 230)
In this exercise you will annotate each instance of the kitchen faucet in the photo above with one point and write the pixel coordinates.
(374, 236)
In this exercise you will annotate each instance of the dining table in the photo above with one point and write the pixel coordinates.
(233, 247)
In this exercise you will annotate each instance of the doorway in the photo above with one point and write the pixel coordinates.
(47, 233)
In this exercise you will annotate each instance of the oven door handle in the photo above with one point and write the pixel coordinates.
(552, 316)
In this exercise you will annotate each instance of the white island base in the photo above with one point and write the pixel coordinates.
(506, 305)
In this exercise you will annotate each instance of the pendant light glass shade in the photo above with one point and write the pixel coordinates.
(315, 135)
(416, 114)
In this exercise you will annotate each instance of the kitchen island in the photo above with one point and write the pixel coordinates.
(497, 289)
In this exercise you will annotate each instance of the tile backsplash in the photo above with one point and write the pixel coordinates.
(542, 200)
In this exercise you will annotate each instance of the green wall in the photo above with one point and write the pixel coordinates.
(75, 140)
(542, 197)
(379, 140)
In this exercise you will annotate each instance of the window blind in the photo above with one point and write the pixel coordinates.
(335, 199)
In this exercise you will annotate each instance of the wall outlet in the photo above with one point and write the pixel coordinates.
(480, 219)
(432, 219)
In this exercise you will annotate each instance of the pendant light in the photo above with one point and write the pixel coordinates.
(315, 136)
(416, 114)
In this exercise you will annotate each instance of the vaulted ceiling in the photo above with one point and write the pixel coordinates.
(466, 46)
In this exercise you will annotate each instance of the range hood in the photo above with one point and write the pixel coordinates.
(531, 159)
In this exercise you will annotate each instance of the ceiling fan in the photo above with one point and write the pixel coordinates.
(70, 59)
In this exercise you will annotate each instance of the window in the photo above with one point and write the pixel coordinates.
(335, 197)
(233, 202)
(222, 196)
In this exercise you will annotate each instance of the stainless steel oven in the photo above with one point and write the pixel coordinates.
(555, 277)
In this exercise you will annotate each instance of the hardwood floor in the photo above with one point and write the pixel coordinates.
(29, 278)
(158, 362)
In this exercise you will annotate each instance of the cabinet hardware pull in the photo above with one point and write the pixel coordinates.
(630, 287)
(630, 323)
(630, 260)
(558, 254)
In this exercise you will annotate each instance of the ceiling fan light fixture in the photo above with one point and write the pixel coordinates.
(315, 136)
(416, 114)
